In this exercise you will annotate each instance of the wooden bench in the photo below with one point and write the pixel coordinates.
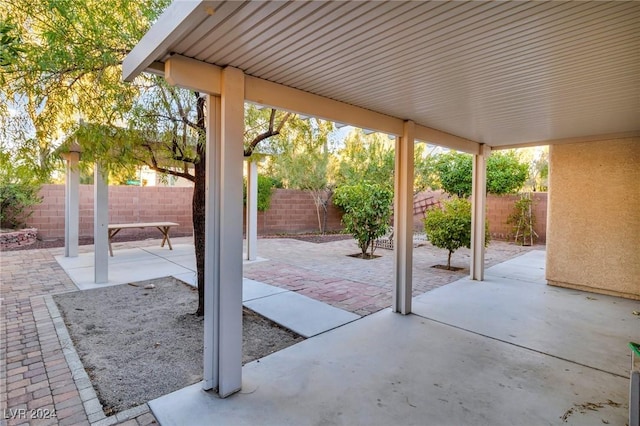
(163, 227)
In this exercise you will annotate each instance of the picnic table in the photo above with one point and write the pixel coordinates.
(163, 227)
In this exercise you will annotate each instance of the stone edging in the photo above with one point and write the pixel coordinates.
(90, 400)
(19, 238)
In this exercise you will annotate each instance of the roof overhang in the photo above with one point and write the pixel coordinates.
(505, 74)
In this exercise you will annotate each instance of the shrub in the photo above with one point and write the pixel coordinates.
(367, 212)
(265, 189)
(19, 187)
(450, 227)
(15, 200)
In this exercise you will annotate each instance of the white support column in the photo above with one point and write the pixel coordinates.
(223, 265)
(71, 205)
(403, 220)
(212, 245)
(252, 210)
(478, 212)
(100, 225)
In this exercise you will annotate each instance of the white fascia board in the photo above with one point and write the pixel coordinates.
(175, 22)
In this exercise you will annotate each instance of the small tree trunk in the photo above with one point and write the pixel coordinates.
(198, 209)
(449, 261)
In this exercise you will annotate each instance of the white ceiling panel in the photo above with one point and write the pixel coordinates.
(501, 73)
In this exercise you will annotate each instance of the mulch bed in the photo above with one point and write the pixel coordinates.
(318, 238)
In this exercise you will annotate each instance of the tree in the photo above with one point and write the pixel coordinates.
(302, 161)
(367, 212)
(425, 176)
(69, 68)
(505, 173)
(365, 158)
(372, 158)
(450, 227)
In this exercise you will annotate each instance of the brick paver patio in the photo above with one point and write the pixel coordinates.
(40, 377)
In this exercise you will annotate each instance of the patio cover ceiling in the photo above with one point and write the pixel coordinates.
(500, 73)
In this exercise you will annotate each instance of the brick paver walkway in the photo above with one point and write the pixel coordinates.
(327, 273)
(37, 385)
(40, 377)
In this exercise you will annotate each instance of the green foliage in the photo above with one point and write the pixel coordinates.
(365, 158)
(367, 211)
(69, 51)
(455, 173)
(450, 227)
(19, 188)
(505, 173)
(265, 190)
(425, 176)
(301, 161)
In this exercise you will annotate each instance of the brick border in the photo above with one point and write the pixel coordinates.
(88, 396)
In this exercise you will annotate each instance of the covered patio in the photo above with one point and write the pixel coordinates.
(469, 76)
(509, 351)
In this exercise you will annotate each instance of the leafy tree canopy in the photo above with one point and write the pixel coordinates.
(505, 173)
(67, 65)
(365, 158)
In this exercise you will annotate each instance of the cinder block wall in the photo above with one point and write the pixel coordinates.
(594, 219)
(292, 211)
(500, 207)
(126, 204)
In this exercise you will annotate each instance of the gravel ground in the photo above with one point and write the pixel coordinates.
(138, 344)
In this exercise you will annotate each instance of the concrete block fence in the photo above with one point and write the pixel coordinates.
(291, 211)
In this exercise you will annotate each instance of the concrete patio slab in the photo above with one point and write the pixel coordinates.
(515, 305)
(304, 315)
(252, 290)
(301, 314)
(392, 369)
(130, 265)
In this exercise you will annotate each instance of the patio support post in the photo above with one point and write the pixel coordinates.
(223, 244)
(212, 245)
(71, 205)
(478, 212)
(101, 225)
(403, 220)
(252, 209)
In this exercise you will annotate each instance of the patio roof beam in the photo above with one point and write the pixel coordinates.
(203, 77)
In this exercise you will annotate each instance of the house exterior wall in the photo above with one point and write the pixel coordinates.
(593, 235)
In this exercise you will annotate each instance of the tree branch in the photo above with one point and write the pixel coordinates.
(265, 135)
(154, 166)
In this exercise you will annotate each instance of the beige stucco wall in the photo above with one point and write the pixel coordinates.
(593, 229)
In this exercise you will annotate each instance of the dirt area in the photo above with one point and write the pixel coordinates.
(140, 343)
(83, 241)
(317, 238)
